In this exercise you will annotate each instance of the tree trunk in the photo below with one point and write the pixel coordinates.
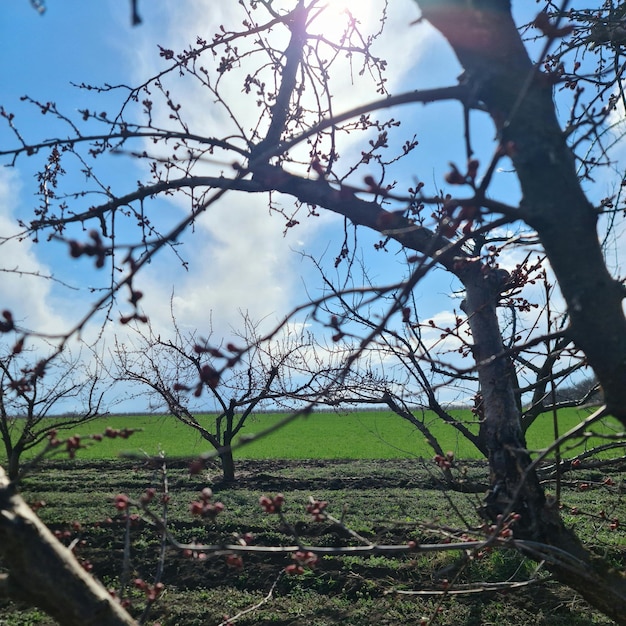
(13, 468)
(500, 429)
(514, 485)
(228, 463)
(487, 43)
(519, 100)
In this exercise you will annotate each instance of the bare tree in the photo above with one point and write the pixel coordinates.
(446, 229)
(32, 392)
(182, 375)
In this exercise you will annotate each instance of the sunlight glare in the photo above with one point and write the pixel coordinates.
(330, 18)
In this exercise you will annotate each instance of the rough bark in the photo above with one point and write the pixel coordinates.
(44, 573)
(13, 466)
(500, 430)
(514, 484)
(519, 100)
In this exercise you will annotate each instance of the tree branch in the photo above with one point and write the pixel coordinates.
(45, 573)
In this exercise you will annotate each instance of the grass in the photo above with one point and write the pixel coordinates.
(384, 500)
(365, 464)
(355, 435)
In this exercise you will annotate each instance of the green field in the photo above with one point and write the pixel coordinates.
(383, 497)
(356, 435)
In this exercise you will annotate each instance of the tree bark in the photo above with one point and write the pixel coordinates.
(519, 100)
(228, 462)
(500, 429)
(514, 484)
(44, 573)
(13, 467)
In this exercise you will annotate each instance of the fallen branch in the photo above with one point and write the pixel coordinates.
(467, 588)
(255, 607)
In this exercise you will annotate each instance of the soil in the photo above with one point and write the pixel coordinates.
(201, 590)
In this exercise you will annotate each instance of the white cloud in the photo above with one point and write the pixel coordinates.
(238, 256)
(25, 286)
(238, 260)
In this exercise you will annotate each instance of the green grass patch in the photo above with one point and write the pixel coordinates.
(541, 433)
(355, 435)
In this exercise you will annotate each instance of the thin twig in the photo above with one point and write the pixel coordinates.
(256, 606)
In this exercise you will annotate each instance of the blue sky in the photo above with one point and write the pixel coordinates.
(239, 259)
(75, 42)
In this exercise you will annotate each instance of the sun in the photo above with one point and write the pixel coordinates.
(330, 18)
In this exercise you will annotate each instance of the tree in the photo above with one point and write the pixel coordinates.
(292, 154)
(179, 373)
(417, 369)
(30, 394)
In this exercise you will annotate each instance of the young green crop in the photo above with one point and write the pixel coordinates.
(324, 435)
